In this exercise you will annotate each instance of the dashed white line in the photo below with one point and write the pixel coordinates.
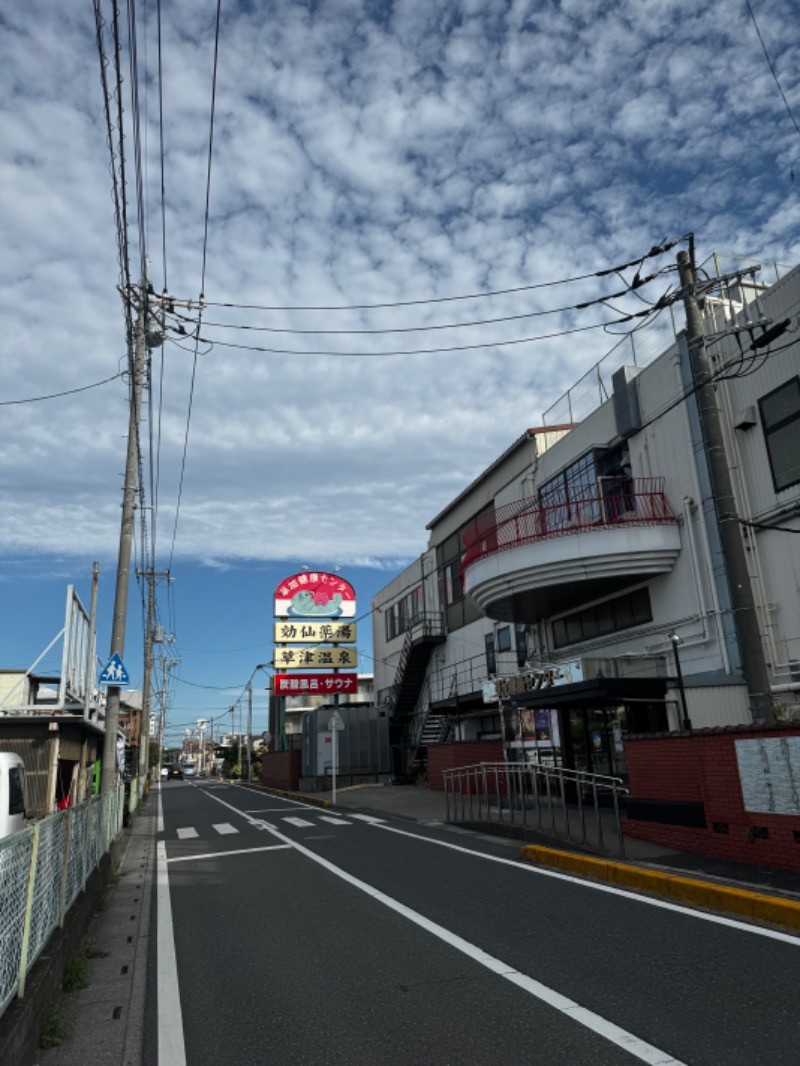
(225, 828)
(368, 818)
(332, 820)
(301, 823)
(188, 833)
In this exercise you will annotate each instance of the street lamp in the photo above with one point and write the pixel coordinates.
(248, 744)
(676, 641)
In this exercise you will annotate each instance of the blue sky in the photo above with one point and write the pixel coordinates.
(364, 154)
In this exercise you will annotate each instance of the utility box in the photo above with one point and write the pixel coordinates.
(362, 745)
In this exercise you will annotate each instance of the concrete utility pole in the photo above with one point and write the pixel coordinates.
(745, 618)
(108, 777)
(147, 684)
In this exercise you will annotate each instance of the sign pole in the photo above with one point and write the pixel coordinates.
(335, 740)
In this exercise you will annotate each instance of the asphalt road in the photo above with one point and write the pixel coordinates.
(294, 935)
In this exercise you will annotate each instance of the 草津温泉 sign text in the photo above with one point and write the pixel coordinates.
(314, 684)
(316, 658)
(300, 632)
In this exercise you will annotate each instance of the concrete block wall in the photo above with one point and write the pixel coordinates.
(450, 756)
(702, 767)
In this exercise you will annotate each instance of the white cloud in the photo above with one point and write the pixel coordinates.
(363, 153)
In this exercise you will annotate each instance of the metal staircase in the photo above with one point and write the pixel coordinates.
(408, 701)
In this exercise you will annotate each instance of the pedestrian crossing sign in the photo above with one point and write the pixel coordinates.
(114, 672)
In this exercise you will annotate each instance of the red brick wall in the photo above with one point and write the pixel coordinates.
(281, 769)
(702, 768)
(449, 756)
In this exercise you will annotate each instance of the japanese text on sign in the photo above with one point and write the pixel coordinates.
(315, 684)
(315, 632)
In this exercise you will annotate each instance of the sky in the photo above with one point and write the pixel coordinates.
(401, 154)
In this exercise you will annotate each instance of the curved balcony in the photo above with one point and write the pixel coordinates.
(527, 561)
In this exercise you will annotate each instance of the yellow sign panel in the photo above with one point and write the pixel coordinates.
(316, 658)
(299, 632)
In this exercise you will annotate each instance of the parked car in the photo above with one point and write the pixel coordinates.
(12, 793)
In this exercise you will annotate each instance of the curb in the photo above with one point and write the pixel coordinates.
(300, 797)
(753, 905)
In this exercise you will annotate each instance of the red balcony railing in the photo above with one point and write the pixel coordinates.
(613, 503)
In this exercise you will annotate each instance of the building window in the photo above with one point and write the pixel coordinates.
(571, 495)
(402, 615)
(504, 638)
(491, 659)
(521, 638)
(780, 420)
(623, 612)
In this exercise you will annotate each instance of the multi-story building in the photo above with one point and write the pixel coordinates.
(582, 578)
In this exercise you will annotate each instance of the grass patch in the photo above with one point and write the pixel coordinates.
(55, 1030)
(76, 974)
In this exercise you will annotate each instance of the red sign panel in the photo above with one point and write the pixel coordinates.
(315, 595)
(314, 684)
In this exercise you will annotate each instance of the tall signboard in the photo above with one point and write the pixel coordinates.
(312, 632)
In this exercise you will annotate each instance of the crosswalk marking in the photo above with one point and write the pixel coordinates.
(224, 828)
(369, 818)
(333, 821)
(300, 822)
(187, 833)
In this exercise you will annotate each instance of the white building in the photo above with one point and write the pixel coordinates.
(573, 561)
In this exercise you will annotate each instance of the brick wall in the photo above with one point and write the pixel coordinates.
(281, 769)
(702, 768)
(449, 756)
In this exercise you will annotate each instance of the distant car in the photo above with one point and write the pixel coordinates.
(164, 770)
(174, 771)
(189, 769)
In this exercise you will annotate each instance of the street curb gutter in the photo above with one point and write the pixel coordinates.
(753, 905)
(300, 797)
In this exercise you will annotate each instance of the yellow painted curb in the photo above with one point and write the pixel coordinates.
(754, 905)
(301, 797)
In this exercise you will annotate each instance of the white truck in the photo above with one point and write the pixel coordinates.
(12, 793)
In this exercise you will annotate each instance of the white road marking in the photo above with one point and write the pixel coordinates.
(225, 829)
(332, 820)
(299, 822)
(171, 1050)
(160, 825)
(225, 854)
(368, 818)
(186, 834)
(640, 1049)
(595, 886)
(288, 807)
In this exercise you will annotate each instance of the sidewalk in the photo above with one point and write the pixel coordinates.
(104, 1022)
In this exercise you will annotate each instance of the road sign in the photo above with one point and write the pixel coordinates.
(336, 722)
(114, 672)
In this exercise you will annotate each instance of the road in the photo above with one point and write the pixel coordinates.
(289, 934)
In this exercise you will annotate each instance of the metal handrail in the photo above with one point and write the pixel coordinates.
(642, 502)
(547, 799)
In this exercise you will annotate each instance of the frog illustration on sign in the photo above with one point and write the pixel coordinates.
(318, 602)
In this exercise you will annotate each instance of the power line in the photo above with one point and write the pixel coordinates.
(437, 326)
(772, 68)
(67, 392)
(202, 282)
(654, 251)
(422, 351)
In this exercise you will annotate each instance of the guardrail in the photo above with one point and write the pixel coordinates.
(549, 799)
(42, 870)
